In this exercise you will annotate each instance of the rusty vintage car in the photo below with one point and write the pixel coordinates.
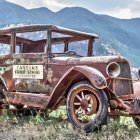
(41, 67)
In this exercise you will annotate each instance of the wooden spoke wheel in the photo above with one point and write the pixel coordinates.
(86, 106)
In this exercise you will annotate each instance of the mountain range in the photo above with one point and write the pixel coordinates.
(116, 36)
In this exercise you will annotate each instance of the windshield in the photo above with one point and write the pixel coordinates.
(68, 44)
(77, 48)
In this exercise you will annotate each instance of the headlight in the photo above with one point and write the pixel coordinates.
(139, 73)
(113, 69)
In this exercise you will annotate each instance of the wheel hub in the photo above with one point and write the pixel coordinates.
(84, 104)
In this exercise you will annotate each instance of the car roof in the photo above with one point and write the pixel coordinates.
(42, 27)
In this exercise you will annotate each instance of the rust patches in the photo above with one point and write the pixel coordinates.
(32, 86)
(96, 77)
(31, 100)
(37, 86)
(21, 85)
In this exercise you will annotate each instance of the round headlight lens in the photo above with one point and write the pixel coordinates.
(113, 69)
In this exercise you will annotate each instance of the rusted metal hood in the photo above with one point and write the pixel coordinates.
(88, 60)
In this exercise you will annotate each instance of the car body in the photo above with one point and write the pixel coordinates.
(42, 70)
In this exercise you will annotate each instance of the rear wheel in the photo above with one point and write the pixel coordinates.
(25, 111)
(136, 120)
(86, 106)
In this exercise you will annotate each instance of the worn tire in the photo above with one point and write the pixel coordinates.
(136, 120)
(94, 98)
(25, 111)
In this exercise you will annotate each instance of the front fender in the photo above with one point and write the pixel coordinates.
(93, 75)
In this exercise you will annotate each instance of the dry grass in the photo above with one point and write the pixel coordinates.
(57, 127)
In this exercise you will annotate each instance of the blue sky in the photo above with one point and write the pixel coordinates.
(116, 8)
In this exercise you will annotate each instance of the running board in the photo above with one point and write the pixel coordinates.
(29, 99)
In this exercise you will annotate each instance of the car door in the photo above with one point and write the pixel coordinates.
(30, 72)
(30, 63)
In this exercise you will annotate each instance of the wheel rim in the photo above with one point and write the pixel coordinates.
(85, 105)
(137, 120)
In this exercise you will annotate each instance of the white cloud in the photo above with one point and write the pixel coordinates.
(51, 4)
(123, 13)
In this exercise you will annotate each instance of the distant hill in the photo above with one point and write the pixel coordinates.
(117, 36)
(13, 14)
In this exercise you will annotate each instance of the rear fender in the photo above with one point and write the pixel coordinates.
(74, 74)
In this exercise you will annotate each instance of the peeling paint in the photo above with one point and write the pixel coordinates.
(50, 74)
(36, 86)
(2, 70)
(8, 61)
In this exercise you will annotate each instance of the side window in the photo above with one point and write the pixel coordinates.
(4, 49)
(79, 47)
(31, 42)
(5, 44)
(58, 42)
(58, 48)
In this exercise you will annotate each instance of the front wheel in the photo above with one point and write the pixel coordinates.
(86, 106)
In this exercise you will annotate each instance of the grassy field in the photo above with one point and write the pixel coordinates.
(57, 127)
